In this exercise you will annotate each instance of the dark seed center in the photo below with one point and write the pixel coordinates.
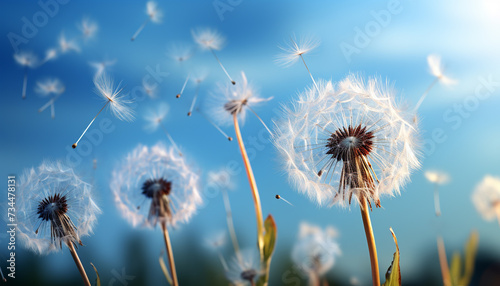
(248, 275)
(349, 143)
(156, 187)
(52, 206)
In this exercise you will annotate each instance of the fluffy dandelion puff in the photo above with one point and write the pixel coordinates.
(437, 178)
(180, 52)
(486, 198)
(48, 87)
(155, 15)
(216, 242)
(155, 119)
(315, 250)
(197, 80)
(209, 39)
(50, 54)
(437, 70)
(221, 179)
(67, 45)
(114, 97)
(55, 207)
(352, 141)
(155, 184)
(27, 60)
(100, 67)
(245, 269)
(150, 89)
(229, 100)
(88, 28)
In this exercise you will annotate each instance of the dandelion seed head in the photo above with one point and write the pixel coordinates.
(244, 270)
(50, 54)
(67, 45)
(154, 13)
(349, 141)
(296, 48)
(436, 68)
(49, 86)
(54, 206)
(315, 250)
(155, 184)
(437, 177)
(217, 240)
(151, 89)
(88, 28)
(486, 197)
(100, 67)
(230, 99)
(118, 103)
(180, 52)
(27, 59)
(208, 38)
(221, 179)
(154, 117)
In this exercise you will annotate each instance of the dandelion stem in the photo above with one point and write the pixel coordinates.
(25, 82)
(170, 254)
(170, 138)
(140, 29)
(436, 200)
(222, 261)
(216, 127)
(424, 95)
(51, 101)
(3, 277)
(370, 239)
(309, 73)
(253, 187)
(194, 99)
(183, 86)
(443, 262)
(230, 224)
(76, 143)
(224, 69)
(78, 263)
(52, 111)
(497, 210)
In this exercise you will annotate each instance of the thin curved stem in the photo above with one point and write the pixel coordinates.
(253, 188)
(230, 224)
(88, 126)
(443, 262)
(370, 239)
(78, 263)
(437, 206)
(170, 254)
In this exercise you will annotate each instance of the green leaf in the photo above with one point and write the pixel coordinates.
(97, 280)
(270, 235)
(470, 258)
(393, 275)
(165, 269)
(456, 269)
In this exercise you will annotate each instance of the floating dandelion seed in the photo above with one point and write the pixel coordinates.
(295, 50)
(114, 98)
(155, 118)
(244, 270)
(197, 81)
(486, 198)
(154, 15)
(50, 54)
(27, 60)
(48, 87)
(183, 86)
(436, 69)
(278, 197)
(100, 67)
(229, 138)
(150, 89)
(349, 142)
(55, 208)
(67, 46)
(180, 52)
(88, 28)
(158, 177)
(437, 178)
(315, 251)
(216, 242)
(211, 40)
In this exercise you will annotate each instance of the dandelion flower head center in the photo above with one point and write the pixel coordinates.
(248, 274)
(153, 188)
(349, 143)
(234, 106)
(52, 207)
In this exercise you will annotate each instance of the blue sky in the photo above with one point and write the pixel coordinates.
(462, 32)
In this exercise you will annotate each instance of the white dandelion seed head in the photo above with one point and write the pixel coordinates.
(27, 59)
(154, 13)
(294, 49)
(49, 180)
(208, 38)
(88, 28)
(155, 116)
(229, 99)
(180, 52)
(142, 172)
(199, 75)
(50, 54)
(217, 240)
(244, 269)
(151, 89)
(315, 250)
(100, 67)
(118, 103)
(67, 45)
(324, 136)
(436, 69)
(486, 197)
(221, 179)
(437, 177)
(49, 86)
